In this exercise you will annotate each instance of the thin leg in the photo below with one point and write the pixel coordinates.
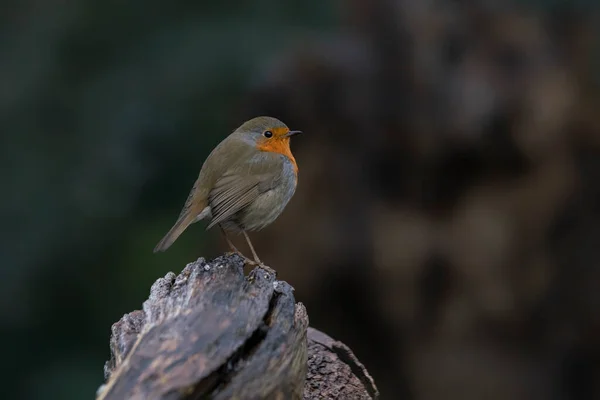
(229, 243)
(234, 249)
(256, 259)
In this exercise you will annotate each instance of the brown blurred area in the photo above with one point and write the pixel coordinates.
(446, 226)
(447, 221)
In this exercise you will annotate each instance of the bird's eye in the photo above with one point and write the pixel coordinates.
(268, 134)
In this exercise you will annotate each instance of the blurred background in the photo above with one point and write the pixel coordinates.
(447, 221)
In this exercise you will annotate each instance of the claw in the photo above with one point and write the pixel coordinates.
(270, 270)
(250, 262)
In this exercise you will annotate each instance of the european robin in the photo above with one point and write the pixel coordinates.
(244, 184)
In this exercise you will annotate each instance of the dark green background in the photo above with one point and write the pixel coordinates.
(108, 109)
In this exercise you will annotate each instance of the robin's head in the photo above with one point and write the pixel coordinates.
(269, 134)
(267, 129)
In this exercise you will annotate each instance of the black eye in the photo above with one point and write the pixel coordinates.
(268, 134)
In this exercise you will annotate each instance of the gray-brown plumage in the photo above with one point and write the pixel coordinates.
(244, 184)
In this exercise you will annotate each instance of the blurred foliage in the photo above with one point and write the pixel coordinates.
(444, 225)
(108, 110)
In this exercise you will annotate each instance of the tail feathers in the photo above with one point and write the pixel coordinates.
(186, 218)
(174, 233)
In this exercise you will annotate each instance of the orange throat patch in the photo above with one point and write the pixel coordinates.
(280, 146)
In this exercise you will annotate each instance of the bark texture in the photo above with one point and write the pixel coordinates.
(212, 332)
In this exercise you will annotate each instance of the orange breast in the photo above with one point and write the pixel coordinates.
(281, 146)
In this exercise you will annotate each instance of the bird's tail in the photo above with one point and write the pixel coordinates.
(185, 219)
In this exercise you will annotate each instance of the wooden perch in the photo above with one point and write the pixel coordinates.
(213, 333)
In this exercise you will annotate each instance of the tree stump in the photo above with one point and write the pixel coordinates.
(213, 333)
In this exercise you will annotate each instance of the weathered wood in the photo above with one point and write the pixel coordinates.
(212, 332)
(334, 372)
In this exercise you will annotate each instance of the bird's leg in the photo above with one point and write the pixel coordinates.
(256, 259)
(229, 243)
(234, 249)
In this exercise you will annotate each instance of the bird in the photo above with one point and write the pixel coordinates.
(244, 184)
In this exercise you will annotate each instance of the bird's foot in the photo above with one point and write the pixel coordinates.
(258, 263)
(236, 253)
(269, 270)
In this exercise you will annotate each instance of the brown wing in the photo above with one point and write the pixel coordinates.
(231, 194)
(226, 155)
(240, 187)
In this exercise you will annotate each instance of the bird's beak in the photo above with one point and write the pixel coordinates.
(293, 133)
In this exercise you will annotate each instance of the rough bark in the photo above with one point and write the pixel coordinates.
(334, 372)
(212, 332)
